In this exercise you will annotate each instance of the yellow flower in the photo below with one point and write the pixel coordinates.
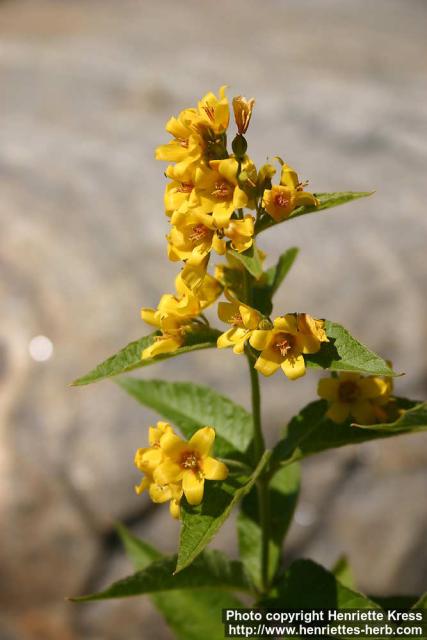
(240, 232)
(282, 199)
(217, 190)
(194, 281)
(354, 395)
(187, 146)
(177, 194)
(147, 460)
(214, 112)
(175, 313)
(173, 333)
(244, 320)
(242, 113)
(193, 236)
(284, 345)
(189, 463)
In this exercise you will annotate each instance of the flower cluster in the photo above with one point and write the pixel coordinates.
(173, 467)
(366, 399)
(205, 198)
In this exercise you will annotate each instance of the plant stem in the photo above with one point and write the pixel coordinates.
(259, 445)
(262, 483)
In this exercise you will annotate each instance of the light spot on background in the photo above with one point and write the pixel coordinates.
(40, 348)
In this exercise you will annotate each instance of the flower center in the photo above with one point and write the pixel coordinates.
(199, 232)
(210, 111)
(190, 460)
(237, 320)
(222, 190)
(283, 344)
(348, 391)
(281, 200)
(185, 187)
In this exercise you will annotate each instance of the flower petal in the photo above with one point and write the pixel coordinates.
(159, 492)
(214, 469)
(338, 412)
(260, 339)
(202, 440)
(193, 486)
(327, 388)
(363, 412)
(167, 472)
(175, 509)
(294, 367)
(373, 387)
(172, 445)
(268, 362)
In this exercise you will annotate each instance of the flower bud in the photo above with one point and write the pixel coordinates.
(239, 146)
(242, 112)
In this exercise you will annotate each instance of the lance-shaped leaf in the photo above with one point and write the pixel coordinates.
(250, 259)
(190, 406)
(279, 272)
(311, 432)
(345, 353)
(421, 603)
(265, 288)
(129, 358)
(282, 498)
(211, 570)
(200, 523)
(191, 613)
(307, 585)
(414, 419)
(326, 201)
(343, 572)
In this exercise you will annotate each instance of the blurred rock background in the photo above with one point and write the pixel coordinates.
(86, 89)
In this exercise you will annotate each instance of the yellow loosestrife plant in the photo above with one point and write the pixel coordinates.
(209, 454)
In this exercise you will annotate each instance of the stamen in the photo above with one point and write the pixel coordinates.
(237, 320)
(222, 190)
(281, 200)
(190, 460)
(185, 187)
(283, 344)
(198, 233)
(210, 111)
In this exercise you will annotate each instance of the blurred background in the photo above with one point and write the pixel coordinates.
(87, 87)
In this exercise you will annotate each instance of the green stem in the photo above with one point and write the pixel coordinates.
(262, 483)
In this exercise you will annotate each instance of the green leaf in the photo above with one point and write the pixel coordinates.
(129, 358)
(421, 603)
(190, 406)
(307, 585)
(280, 271)
(345, 353)
(191, 613)
(414, 419)
(139, 552)
(265, 288)
(283, 495)
(250, 259)
(310, 432)
(212, 569)
(326, 201)
(343, 572)
(200, 523)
